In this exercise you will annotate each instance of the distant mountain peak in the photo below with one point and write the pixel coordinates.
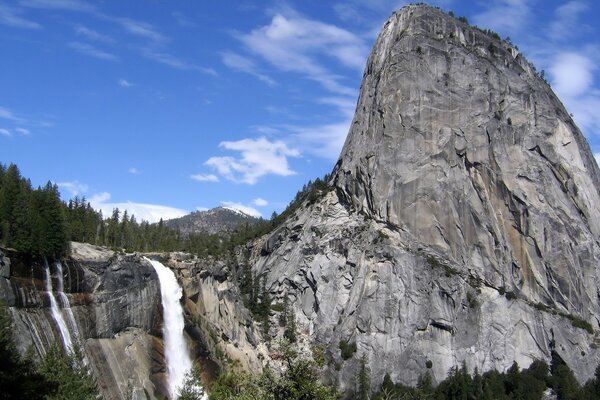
(213, 221)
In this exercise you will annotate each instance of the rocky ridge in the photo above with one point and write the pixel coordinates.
(213, 221)
(464, 220)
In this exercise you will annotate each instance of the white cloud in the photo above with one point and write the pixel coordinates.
(202, 208)
(142, 29)
(23, 131)
(241, 207)
(91, 34)
(4, 132)
(504, 16)
(572, 77)
(260, 202)
(91, 51)
(9, 17)
(74, 187)
(597, 157)
(175, 62)
(259, 157)
(142, 211)
(325, 141)
(133, 171)
(295, 44)
(182, 20)
(124, 83)
(205, 178)
(67, 5)
(567, 24)
(244, 64)
(571, 74)
(7, 114)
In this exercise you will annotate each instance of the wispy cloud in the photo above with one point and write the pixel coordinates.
(260, 202)
(142, 211)
(244, 64)
(205, 178)
(504, 16)
(293, 43)
(9, 17)
(125, 83)
(133, 171)
(142, 29)
(259, 157)
(566, 23)
(75, 188)
(241, 207)
(325, 141)
(23, 131)
(66, 5)
(175, 62)
(597, 157)
(89, 50)
(182, 20)
(572, 77)
(91, 34)
(5, 132)
(9, 115)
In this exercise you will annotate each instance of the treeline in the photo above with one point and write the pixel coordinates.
(37, 222)
(31, 220)
(526, 384)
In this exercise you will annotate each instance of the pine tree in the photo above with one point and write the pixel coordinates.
(363, 380)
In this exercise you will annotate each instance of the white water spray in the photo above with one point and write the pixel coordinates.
(56, 314)
(177, 356)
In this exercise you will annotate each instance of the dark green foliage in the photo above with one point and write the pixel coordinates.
(363, 380)
(31, 220)
(192, 386)
(18, 377)
(527, 384)
(579, 323)
(69, 375)
(347, 349)
(300, 381)
(463, 19)
(290, 329)
(510, 295)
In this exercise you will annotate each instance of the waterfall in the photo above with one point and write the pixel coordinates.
(56, 314)
(65, 305)
(177, 356)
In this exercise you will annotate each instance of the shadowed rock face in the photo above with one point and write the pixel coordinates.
(464, 224)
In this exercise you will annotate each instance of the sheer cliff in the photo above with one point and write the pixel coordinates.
(463, 224)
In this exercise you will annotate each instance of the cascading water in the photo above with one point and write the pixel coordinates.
(64, 300)
(55, 309)
(177, 356)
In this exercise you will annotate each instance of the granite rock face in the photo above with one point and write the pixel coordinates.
(464, 220)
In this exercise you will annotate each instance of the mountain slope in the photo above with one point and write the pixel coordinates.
(465, 221)
(215, 220)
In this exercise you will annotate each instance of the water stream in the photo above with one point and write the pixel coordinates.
(65, 335)
(177, 356)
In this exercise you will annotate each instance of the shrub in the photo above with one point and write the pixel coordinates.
(347, 349)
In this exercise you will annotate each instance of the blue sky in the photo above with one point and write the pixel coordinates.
(166, 107)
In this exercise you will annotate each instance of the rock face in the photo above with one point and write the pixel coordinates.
(115, 304)
(464, 223)
(213, 221)
(117, 315)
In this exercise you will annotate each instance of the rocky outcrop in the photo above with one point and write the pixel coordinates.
(464, 220)
(115, 304)
(117, 315)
